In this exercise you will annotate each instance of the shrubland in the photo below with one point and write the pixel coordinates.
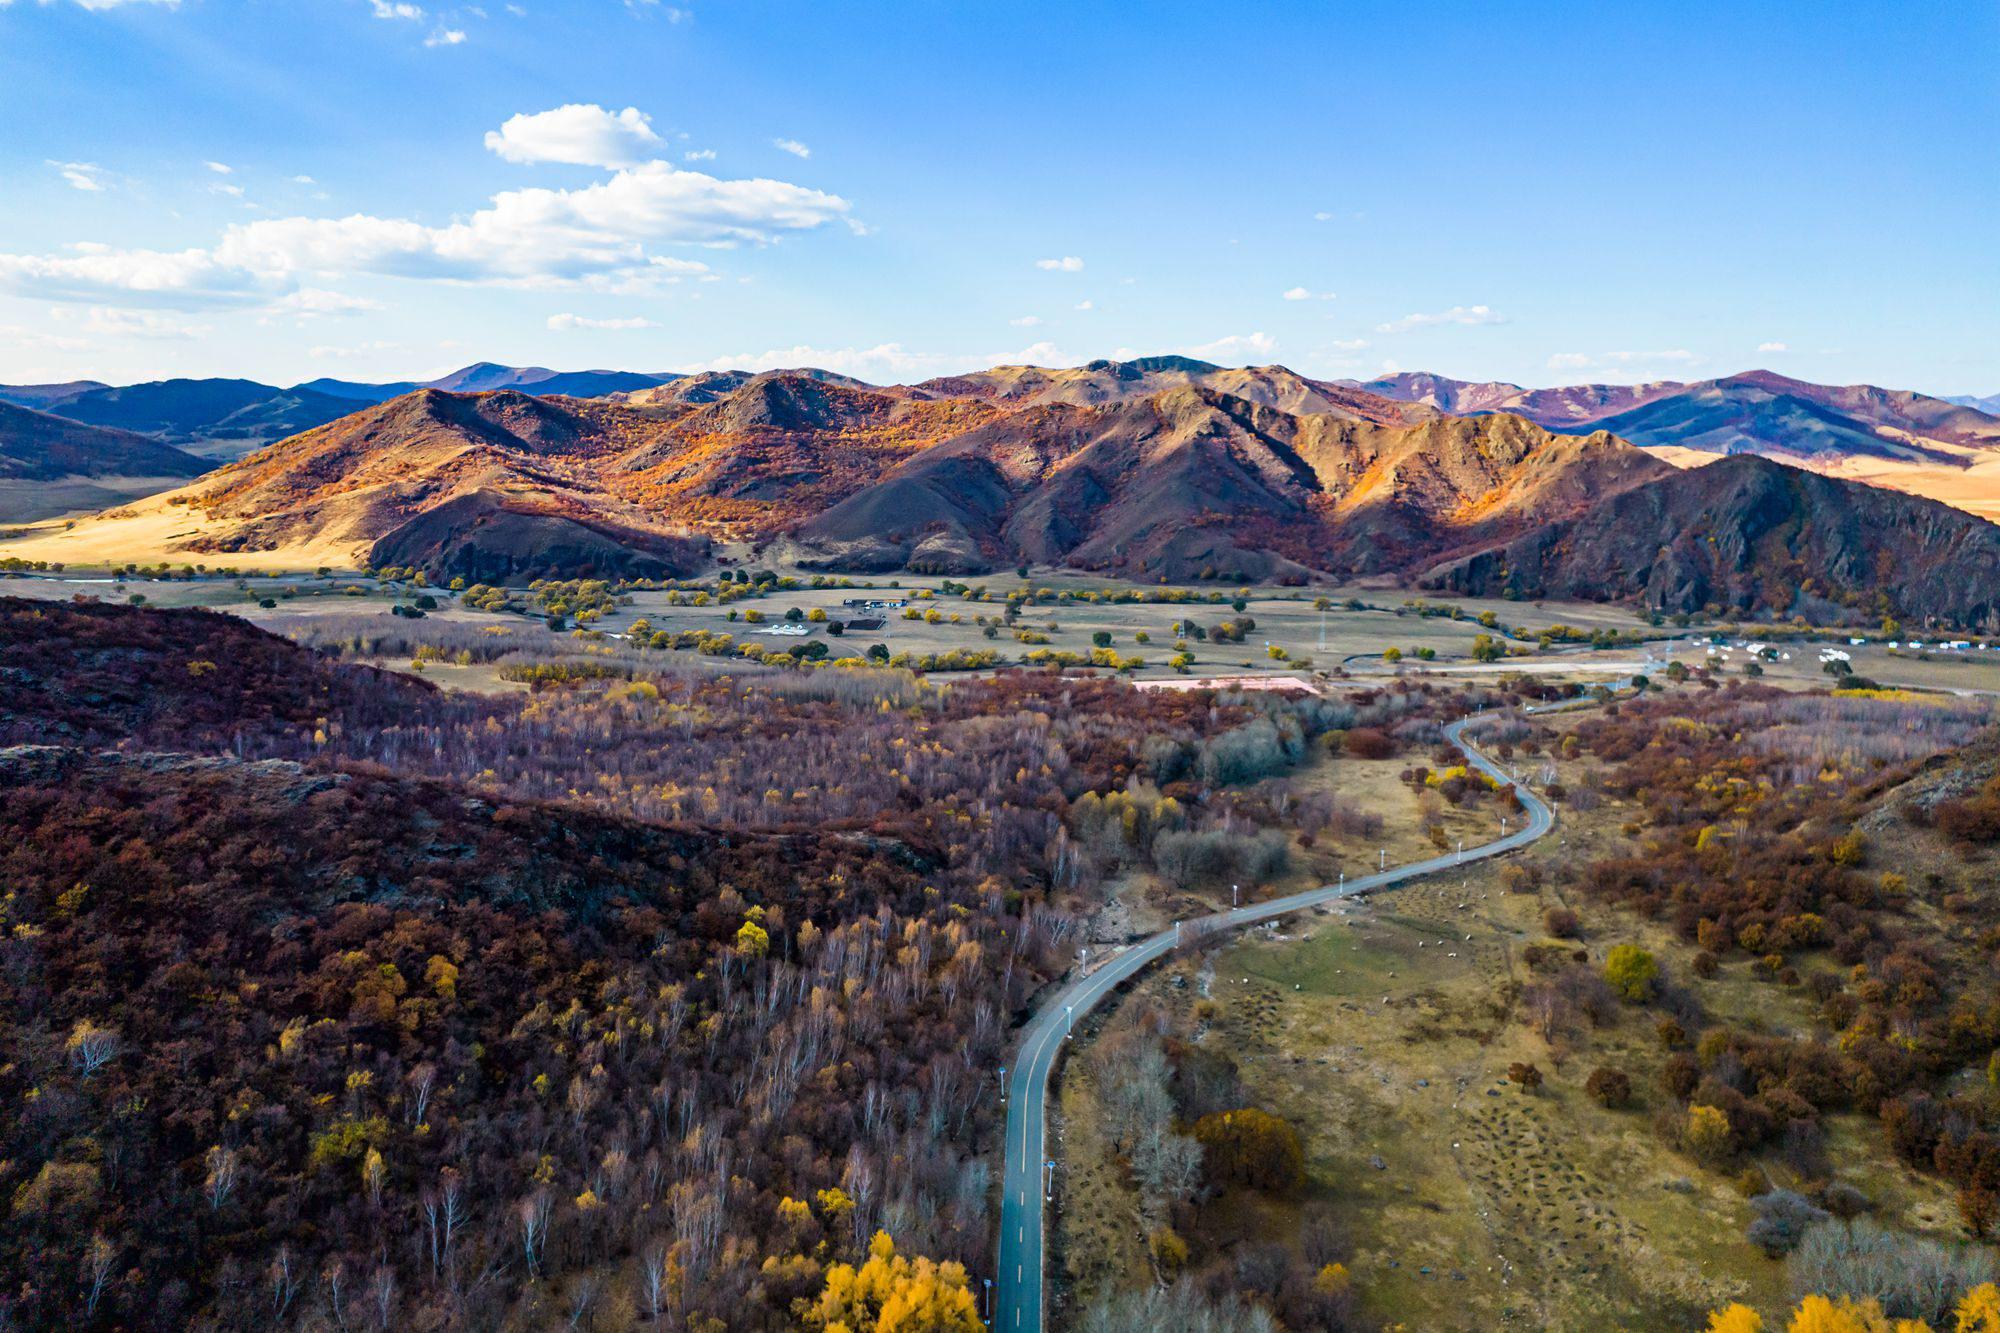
(334, 999)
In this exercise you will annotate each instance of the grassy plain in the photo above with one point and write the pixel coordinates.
(1384, 1030)
(1342, 638)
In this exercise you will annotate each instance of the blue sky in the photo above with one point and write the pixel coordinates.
(1544, 193)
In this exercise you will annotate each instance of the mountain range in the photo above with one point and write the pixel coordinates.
(50, 466)
(1158, 469)
(1935, 447)
(224, 419)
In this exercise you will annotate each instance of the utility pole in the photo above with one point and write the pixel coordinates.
(1384, 863)
(1235, 896)
(989, 1301)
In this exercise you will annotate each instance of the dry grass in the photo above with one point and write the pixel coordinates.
(1385, 1033)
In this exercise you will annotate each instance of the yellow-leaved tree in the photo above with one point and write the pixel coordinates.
(1978, 1312)
(892, 1293)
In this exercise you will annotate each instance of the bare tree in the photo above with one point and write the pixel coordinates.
(98, 1257)
(582, 1299)
(284, 1277)
(1166, 1165)
(382, 1294)
(224, 1166)
(533, 1213)
(423, 1081)
(1547, 1009)
(653, 1277)
(91, 1047)
(334, 1279)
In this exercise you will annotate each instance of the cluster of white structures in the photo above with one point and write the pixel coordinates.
(1942, 646)
(1763, 652)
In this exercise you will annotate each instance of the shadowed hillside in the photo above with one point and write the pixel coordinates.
(1748, 534)
(1161, 468)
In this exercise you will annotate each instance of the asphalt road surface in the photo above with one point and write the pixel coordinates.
(1025, 1180)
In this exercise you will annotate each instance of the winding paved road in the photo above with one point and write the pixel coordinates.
(1019, 1308)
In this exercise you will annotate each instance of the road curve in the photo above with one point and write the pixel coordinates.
(1020, 1277)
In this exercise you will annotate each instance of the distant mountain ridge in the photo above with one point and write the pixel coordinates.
(36, 446)
(215, 418)
(1147, 470)
(1758, 411)
(51, 466)
(39, 396)
(227, 418)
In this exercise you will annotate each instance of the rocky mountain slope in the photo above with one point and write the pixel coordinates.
(1748, 534)
(1151, 470)
(1943, 449)
(1100, 382)
(1755, 412)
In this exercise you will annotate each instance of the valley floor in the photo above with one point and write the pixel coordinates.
(1384, 1031)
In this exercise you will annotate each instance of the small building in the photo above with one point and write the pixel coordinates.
(876, 603)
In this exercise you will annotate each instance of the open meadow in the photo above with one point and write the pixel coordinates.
(1145, 632)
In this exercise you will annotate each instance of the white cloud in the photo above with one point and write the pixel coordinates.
(1458, 314)
(792, 146)
(445, 37)
(699, 155)
(1242, 345)
(395, 9)
(88, 272)
(1307, 294)
(1581, 360)
(1239, 347)
(81, 175)
(580, 134)
(41, 340)
(99, 5)
(1086, 305)
(1026, 321)
(1322, 216)
(304, 180)
(375, 348)
(121, 323)
(312, 302)
(564, 323)
(1623, 366)
(600, 236)
(224, 187)
(890, 363)
(220, 168)
(1067, 264)
(1773, 347)
(1348, 344)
